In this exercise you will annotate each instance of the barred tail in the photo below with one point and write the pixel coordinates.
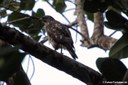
(72, 52)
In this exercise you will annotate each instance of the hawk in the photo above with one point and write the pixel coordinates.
(59, 35)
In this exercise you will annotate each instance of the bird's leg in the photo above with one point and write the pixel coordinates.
(56, 47)
(61, 50)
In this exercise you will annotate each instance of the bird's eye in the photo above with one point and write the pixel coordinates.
(44, 20)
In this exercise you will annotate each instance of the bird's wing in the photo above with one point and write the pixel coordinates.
(64, 31)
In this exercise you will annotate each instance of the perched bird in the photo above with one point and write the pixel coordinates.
(59, 35)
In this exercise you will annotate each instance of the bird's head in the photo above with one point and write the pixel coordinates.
(47, 18)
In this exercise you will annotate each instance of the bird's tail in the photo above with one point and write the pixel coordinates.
(72, 52)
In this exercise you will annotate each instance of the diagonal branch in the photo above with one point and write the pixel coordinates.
(49, 56)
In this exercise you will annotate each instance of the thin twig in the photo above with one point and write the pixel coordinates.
(78, 32)
(75, 31)
(23, 18)
(73, 23)
(65, 18)
(20, 19)
(69, 9)
(112, 33)
(33, 64)
(61, 14)
(71, 2)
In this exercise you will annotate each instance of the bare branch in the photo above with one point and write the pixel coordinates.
(19, 78)
(82, 23)
(98, 26)
(98, 37)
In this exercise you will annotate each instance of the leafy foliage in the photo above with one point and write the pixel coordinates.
(10, 60)
(120, 49)
(10, 4)
(101, 5)
(112, 69)
(20, 20)
(25, 6)
(90, 16)
(95, 5)
(119, 5)
(116, 21)
(3, 13)
(59, 5)
(40, 13)
(31, 25)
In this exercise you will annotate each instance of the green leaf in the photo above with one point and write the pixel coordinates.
(112, 69)
(59, 5)
(3, 13)
(93, 6)
(116, 21)
(119, 5)
(35, 28)
(14, 6)
(11, 59)
(1, 1)
(90, 16)
(27, 4)
(113, 27)
(10, 5)
(19, 20)
(40, 13)
(30, 25)
(120, 49)
(5, 2)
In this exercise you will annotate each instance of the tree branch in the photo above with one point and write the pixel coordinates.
(106, 42)
(98, 27)
(49, 56)
(19, 78)
(82, 23)
(98, 37)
